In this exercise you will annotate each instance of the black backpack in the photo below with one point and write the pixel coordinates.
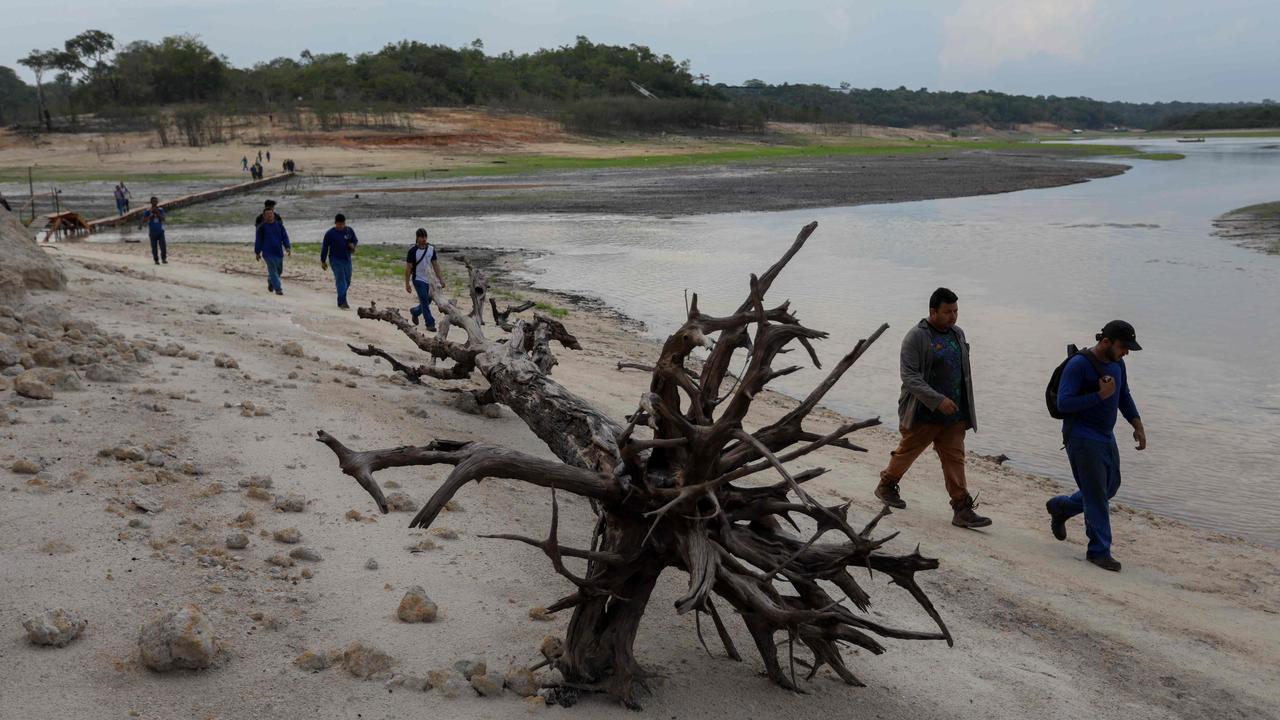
(1051, 390)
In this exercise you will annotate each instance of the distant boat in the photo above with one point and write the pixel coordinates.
(1196, 139)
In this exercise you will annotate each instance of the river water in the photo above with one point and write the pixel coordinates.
(1034, 270)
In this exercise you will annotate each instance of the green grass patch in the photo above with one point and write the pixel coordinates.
(19, 175)
(1159, 156)
(552, 310)
(515, 164)
(1262, 211)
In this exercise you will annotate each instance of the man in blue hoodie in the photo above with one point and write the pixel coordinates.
(270, 246)
(155, 217)
(1092, 390)
(339, 243)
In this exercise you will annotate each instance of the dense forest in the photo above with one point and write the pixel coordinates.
(1255, 116)
(906, 108)
(591, 87)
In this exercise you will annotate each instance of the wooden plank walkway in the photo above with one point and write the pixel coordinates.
(135, 216)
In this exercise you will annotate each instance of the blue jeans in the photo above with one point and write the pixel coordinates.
(275, 268)
(424, 303)
(158, 249)
(341, 277)
(1096, 467)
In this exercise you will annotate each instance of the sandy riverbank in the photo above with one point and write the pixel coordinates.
(1187, 631)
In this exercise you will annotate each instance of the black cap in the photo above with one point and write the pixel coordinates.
(1121, 331)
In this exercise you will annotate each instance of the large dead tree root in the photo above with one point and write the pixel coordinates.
(677, 486)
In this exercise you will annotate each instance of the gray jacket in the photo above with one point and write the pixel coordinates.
(915, 386)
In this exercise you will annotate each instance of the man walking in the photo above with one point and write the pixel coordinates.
(270, 246)
(339, 243)
(119, 195)
(936, 407)
(155, 217)
(267, 205)
(1094, 387)
(416, 272)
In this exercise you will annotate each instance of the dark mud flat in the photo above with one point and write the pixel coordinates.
(1256, 227)
(673, 191)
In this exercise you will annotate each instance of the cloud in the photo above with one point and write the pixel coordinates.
(982, 35)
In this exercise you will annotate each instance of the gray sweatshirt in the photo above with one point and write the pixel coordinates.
(916, 390)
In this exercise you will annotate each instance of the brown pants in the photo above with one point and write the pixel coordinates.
(947, 441)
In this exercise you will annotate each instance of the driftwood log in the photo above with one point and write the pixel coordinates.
(677, 486)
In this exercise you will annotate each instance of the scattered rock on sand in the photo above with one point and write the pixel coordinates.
(180, 638)
(128, 452)
(225, 361)
(487, 684)
(156, 459)
(145, 503)
(450, 685)
(292, 349)
(29, 385)
(370, 564)
(290, 502)
(399, 502)
(100, 372)
(24, 467)
(540, 614)
(54, 627)
(237, 541)
(209, 309)
(470, 667)
(416, 607)
(258, 481)
(280, 560)
(311, 660)
(366, 662)
(305, 553)
(522, 682)
(289, 535)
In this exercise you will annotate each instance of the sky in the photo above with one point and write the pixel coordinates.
(1135, 50)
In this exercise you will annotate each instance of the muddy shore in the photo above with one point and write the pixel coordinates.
(668, 191)
(1256, 227)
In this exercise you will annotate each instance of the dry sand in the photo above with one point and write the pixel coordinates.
(1188, 630)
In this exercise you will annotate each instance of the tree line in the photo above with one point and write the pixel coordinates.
(591, 87)
(1266, 115)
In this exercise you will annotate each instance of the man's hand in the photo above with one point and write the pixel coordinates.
(324, 265)
(408, 289)
(948, 407)
(1106, 387)
(257, 256)
(351, 247)
(1139, 435)
(288, 252)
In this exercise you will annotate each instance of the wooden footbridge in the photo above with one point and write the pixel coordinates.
(134, 217)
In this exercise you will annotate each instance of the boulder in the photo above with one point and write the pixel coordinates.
(54, 627)
(24, 262)
(181, 638)
(366, 662)
(416, 607)
(28, 385)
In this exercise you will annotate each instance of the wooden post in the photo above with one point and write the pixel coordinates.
(31, 188)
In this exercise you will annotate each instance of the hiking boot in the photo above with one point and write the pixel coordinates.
(279, 291)
(431, 328)
(344, 306)
(164, 260)
(965, 517)
(888, 495)
(1057, 523)
(1106, 562)
(413, 313)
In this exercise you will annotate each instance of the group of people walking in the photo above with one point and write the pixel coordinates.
(1088, 391)
(936, 406)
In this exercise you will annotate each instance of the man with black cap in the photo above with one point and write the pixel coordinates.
(268, 205)
(1091, 392)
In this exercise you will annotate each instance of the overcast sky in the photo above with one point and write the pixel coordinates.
(1139, 50)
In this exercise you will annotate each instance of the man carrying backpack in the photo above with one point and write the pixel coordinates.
(1092, 388)
(935, 407)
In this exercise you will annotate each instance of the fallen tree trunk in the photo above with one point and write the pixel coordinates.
(666, 489)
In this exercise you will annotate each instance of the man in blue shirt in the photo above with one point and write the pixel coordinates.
(155, 217)
(1091, 392)
(339, 243)
(270, 246)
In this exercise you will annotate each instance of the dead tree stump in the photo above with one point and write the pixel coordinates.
(671, 489)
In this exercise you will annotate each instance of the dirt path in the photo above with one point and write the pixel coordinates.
(1188, 630)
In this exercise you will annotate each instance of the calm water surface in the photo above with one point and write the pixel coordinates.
(1034, 270)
